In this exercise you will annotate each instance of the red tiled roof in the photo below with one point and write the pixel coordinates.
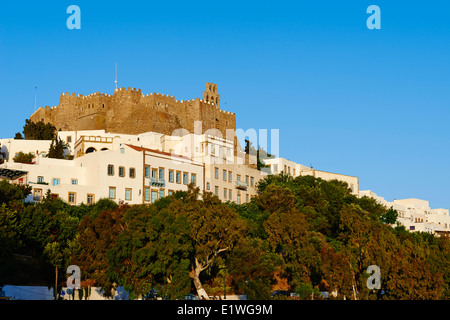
(157, 151)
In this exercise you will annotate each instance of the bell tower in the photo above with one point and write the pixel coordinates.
(211, 95)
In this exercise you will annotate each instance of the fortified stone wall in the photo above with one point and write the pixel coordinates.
(129, 111)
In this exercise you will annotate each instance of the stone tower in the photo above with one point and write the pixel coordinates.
(211, 95)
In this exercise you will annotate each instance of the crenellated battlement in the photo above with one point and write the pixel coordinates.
(128, 110)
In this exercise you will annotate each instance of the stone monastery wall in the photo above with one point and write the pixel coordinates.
(129, 111)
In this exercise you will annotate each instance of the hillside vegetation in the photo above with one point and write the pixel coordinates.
(303, 235)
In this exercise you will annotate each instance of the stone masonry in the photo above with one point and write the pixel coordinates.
(129, 111)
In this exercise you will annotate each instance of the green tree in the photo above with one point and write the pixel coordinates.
(10, 240)
(47, 232)
(13, 195)
(252, 267)
(288, 235)
(57, 149)
(21, 157)
(176, 238)
(98, 233)
(38, 130)
(390, 217)
(337, 277)
(153, 250)
(53, 253)
(215, 228)
(337, 235)
(306, 290)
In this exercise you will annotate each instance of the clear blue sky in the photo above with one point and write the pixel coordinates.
(346, 99)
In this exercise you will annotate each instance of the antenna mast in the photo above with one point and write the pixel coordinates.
(116, 76)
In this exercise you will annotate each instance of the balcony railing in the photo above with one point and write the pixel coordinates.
(241, 185)
(155, 182)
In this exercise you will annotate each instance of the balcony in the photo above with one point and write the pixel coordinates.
(241, 185)
(155, 182)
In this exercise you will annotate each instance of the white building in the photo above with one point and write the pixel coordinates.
(9, 148)
(278, 165)
(131, 174)
(416, 214)
(135, 168)
(231, 177)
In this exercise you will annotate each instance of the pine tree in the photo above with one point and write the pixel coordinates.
(57, 149)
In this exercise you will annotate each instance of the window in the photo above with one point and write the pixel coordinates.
(246, 180)
(128, 194)
(251, 181)
(72, 197)
(230, 195)
(207, 186)
(154, 173)
(238, 177)
(56, 182)
(112, 192)
(147, 194)
(161, 193)
(37, 194)
(170, 175)
(275, 168)
(170, 192)
(40, 179)
(110, 170)
(185, 178)
(122, 150)
(216, 190)
(69, 139)
(147, 171)
(90, 198)
(74, 181)
(230, 176)
(193, 178)
(132, 173)
(216, 173)
(154, 196)
(225, 193)
(122, 172)
(161, 173)
(238, 198)
(178, 177)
